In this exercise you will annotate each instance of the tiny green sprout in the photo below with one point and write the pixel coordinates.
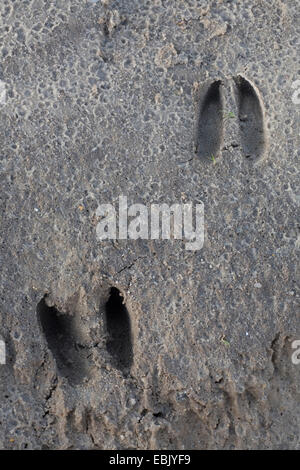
(224, 341)
(213, 159)
(229, 115)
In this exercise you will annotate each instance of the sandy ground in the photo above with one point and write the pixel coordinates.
(142, 343)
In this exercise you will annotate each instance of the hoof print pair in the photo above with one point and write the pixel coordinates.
(211, 120)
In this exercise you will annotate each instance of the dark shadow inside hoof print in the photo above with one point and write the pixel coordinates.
(119, 343)
(63, 341)
(251, 119)
(209, 130)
